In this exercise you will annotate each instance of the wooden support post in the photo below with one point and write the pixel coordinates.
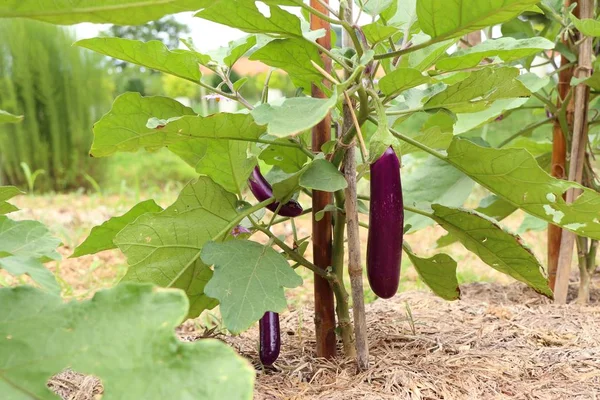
(578, 145)
(321, 230)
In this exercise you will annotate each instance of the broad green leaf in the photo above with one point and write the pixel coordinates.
(374, 7)
(153, 54)
(434, 181)
(119, 12)
(518, 29)
(7, 193)
(234, 51)
(468, 121)
(294, 115)
(245, 16)
(593, 81)
(491, 206)
(217, 146)
(376, 32)
(8, 118)
(479, 90)
(24, 246)
(438, 272)
(294, 56)
(27, 238)
(423, 59)
(34, 268)
(588, 27)
(401, 79)
(124, 127)
(433, 138)
(248, 281)
(506, 48)
(533, 82)
(164, 248)
(40, 335)
(285, 187)
(101, 237)
(323, 175)
(402, 14)
(516, 176)
(442, 19)
(496, 247)
(289, 159)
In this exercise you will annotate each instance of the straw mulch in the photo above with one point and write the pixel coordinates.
(498, 342)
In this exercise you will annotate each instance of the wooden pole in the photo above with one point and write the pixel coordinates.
(322, 240)
(578, 145)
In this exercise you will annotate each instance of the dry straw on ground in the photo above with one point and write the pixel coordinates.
(498, 342)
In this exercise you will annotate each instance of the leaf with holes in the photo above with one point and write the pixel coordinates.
(248, 281)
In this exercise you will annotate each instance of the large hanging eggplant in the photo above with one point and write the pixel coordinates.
(386, 226)
(270, 338)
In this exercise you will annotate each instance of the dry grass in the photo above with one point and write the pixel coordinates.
(498, 342)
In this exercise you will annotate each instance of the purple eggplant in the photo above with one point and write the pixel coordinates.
(262, 190)
(386, 226)
(270, 338)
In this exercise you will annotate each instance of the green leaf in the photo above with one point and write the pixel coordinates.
(27, 238)
(402, 13)
(153, 54)
(119, 12)
(248, 281)
(95, 337)
(593, 81)
(496, 247)
(284, 189)
(423, 59)
(217, 146)
(8, 118)
(328, 208)
(33, 267)
(374, 7)
(245, 16)
(164, 248)
(434, 181)
(433, 138)
(7, 193)
(588, 27)
(515, 175)
(441, 19)
(506, 48)
(101, 237)
(531, 223)
(376, 32)
(294, 115)
(468, 121)
(294, 56)
(438, 272)
(323, 175)
(234, 51)
(289, 159)
(124, 127)
(479, 90)
(401, 79)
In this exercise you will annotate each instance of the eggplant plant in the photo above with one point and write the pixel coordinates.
(401, 65)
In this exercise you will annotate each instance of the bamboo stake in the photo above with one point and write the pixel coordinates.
(578, 145)
(559, 159)
(322, 240)
(355, 269)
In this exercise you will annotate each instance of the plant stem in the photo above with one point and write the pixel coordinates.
(245, 213)
(341, 295)
(355, 269)
(404, 51)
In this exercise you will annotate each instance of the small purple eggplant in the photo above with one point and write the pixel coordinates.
(270, 338)
(386, 226)
(262, 190)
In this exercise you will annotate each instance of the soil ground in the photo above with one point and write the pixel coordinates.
(497, 342)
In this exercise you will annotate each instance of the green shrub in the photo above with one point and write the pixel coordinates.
(62, 90)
